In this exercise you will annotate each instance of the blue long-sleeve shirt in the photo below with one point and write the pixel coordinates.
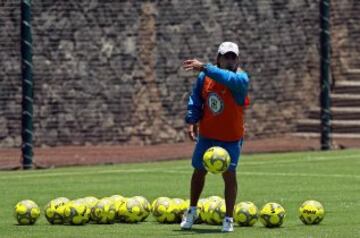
(237, 83)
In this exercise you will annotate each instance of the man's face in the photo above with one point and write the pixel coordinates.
(228, 61)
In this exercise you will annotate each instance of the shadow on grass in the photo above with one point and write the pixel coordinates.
(200, 230)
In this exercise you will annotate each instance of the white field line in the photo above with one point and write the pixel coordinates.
(277, 174)
(290, 161)
(172, 171)
(301, 175)
(270, 162)
(188, 170)
(305, 159)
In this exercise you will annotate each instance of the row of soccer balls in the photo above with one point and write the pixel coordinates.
(116, 208)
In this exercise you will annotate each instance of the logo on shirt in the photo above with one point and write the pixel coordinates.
(215, 103)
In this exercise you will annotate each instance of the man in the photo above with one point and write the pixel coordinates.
(216, 118)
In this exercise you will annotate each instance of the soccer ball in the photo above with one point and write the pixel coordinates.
(206, 206)
(246, 213)
(146, 206)
(200, 203)
(131, 211)
(27, 212)
(164, 210)
(180, 208)
(200, 208)
(214, 198)
(311, 212)
(104, 211)
(218, 213)
(77, 212)
(216, 160)
(213, 210)
(90, 201)
(117, 198)
(117, 202)
(54, 210)
(181, 204)
(272, 215)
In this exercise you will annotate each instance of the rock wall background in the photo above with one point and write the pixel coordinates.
(109, 72)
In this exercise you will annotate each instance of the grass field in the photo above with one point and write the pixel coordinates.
(330, 177)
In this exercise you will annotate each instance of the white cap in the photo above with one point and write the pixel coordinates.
(228, 46)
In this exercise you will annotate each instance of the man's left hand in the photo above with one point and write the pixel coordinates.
(193, 64)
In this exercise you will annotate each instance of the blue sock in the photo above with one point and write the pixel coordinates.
(193, 209)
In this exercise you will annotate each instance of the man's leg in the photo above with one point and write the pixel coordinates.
(229, 176)
(230, 191)
(198, 177)
(230, 198)
(197, 185)
(231, 185)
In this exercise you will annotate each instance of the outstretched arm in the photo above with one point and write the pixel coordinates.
(237, 82)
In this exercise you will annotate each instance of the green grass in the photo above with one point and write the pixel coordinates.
(330, 177)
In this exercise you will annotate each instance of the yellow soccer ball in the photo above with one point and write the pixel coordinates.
(146, 206)
(90, 201)
(27, 212)
(54, 210)
(117, 202)
(77, 212)
(200, 208)
(117, 198)
(212, 210)
(216, 160)
(164, 210)
(214, 198)
(131, 211)
(201, 202)
(246, 213)
(218, 214)
(311, 212)
(104, 211)
(180, 208)
(272, 215)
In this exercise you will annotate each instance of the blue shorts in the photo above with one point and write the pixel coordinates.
(202, 144)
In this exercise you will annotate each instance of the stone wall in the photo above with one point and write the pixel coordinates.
(345, 38)
(10, 74)
(109, 72)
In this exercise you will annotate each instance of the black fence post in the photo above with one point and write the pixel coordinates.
(27, 85)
